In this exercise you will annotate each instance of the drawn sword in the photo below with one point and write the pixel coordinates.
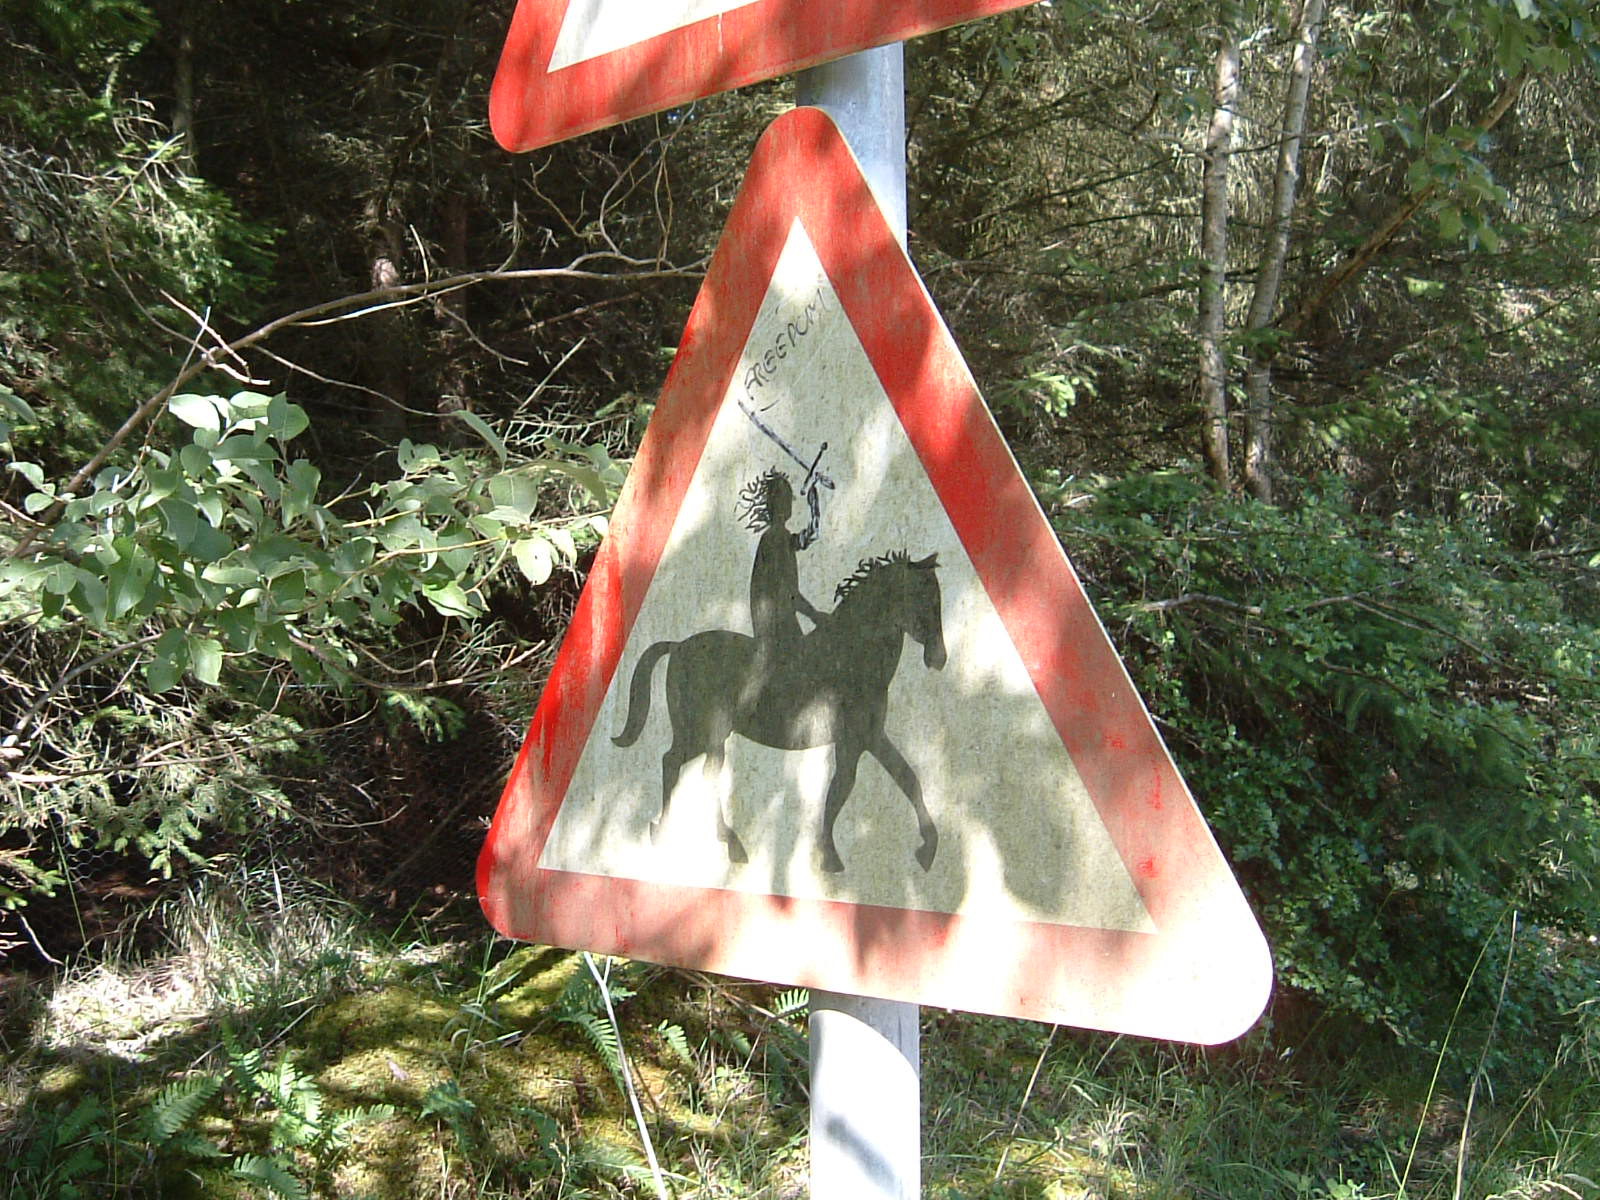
(812, 474)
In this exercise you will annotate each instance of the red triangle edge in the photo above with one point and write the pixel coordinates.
(1205, 976)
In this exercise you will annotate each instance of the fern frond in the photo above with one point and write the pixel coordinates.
(83, 1161)
(365, 1114)
(336, 1134)
(447, 1101)
(86, 1112)
(581, 994)
(246, 1066)
(290, 1130)
(178, 1104)
(678, 1042)
(602, 1036)
(270, 1174)
(193, 1145)
(611, 1157)
(791, 1003)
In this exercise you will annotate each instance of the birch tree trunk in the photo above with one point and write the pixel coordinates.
(1214, 249)
(1259, 415)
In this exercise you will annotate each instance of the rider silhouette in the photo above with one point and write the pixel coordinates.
(776, 603)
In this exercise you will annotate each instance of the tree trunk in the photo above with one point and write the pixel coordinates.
(388, 344)
(183, 88)
(387, 353)
(1259, 416)
(1214, 251)
(452, 307)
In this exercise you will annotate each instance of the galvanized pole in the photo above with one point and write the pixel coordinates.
(866, 1085)
(865, 94)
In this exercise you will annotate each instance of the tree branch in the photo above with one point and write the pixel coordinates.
(363, 303)
(1362, 256)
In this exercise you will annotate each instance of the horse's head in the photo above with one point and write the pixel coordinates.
(897, 596)
(925, 625)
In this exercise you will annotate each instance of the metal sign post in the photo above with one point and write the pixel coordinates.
(1090, 891)
(866, 1084)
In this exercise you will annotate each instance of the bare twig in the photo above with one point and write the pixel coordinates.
(627, 1075)
(358, 303)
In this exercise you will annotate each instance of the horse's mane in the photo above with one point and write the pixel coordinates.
(869, 567)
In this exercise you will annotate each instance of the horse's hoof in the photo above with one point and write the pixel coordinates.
(927, 851)
(832, 864)
(655, 831)
(736, 852)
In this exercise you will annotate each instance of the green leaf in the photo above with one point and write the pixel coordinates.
(195, 458)
(238, 626)
(533, 559)
(32, 472)
(127, 579)
(243, 448)
(516, 491)
(90, 596)
(181, 519)
(16, 406)
(288, 591)
(167, 661)
(210, 503)
(355, 555)
(205, 660)
(301, 480)
(561, 539)
(159, 484)
(587, 478)
(286, 421)
(60, 578)
(403, 533)
(202, 412)
(451, 600)
(413, 458)
(248, 406)
(481, 427)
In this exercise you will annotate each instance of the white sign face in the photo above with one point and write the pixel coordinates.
(805, 393)
(591, 28)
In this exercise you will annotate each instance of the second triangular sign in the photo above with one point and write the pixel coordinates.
(834, 710)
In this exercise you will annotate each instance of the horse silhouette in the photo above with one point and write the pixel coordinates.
(829, 687)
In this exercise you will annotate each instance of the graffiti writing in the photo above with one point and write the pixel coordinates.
(802, 320)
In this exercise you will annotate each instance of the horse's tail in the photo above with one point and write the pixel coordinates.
(639, 693)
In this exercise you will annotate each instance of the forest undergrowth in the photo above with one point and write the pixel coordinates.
(279, 1045)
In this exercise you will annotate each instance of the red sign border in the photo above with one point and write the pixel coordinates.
(1203, 977)
(530, 107)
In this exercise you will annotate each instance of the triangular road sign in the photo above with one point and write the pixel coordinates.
(572, 66)
(1057, 867)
